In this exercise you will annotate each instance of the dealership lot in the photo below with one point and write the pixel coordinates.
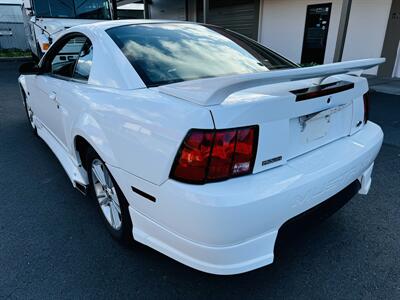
(53, 242)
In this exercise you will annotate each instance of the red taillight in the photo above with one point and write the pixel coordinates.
(222, 154)
(212, 155)
(192, 160)
(244, 152)
(366, 107)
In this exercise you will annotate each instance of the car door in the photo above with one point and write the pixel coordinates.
(70, 97)
(57, 70)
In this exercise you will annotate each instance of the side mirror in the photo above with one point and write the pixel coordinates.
(29, 68)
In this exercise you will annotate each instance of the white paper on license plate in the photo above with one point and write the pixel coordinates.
(318, 126)
(315, 129)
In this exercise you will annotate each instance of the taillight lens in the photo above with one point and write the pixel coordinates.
(222, 154)
(244, 152)
(366, 107)
(213, 155)
(192, 160)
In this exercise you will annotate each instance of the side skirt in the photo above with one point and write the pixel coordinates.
(76, 174)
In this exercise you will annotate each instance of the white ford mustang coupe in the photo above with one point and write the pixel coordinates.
(197, 141)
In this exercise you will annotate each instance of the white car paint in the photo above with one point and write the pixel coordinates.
(225, 227)
(213, 91)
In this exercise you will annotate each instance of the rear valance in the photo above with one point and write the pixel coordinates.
(213, 91)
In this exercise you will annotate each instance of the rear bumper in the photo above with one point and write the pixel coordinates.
(234, 259)
(231, 227)
(319, 212)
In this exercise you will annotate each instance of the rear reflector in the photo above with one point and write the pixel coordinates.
(214, 155)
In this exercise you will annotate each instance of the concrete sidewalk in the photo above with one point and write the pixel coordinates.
(384, 85)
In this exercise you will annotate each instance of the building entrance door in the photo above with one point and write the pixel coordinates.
(316, 33)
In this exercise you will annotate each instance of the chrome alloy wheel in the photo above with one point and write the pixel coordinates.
(106, 194)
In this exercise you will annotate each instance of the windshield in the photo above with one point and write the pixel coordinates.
(165, 53)
(73, 9)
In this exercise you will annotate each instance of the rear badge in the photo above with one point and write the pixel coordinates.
(272, 160)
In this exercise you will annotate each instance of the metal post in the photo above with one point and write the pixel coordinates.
(114, 9)
(205, 10)
(146, 9)
(191, 10)
(341, 38)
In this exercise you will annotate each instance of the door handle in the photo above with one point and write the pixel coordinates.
(53, 97)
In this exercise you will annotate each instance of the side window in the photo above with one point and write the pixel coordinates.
(63, 63)
(84, 64)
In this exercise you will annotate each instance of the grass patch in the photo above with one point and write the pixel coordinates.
(14, 53)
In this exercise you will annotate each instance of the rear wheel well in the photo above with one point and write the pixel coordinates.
(81, 147)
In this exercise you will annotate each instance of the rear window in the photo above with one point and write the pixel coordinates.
(165, 53)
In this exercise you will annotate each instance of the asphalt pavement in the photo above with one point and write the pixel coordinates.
(53, 243)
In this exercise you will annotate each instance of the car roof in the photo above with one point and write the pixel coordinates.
(110, 67)
(104, 25)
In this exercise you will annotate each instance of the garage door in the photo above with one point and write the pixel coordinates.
(167, 9)
(240, 16)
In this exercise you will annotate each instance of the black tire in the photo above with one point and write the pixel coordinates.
(28, 115)
(124, 233)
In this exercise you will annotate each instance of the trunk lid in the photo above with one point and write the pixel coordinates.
(294, 111)
(289, 128)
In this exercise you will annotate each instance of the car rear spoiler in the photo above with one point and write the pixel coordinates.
(213, 91)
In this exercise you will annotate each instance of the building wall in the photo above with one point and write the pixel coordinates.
(12, 32)
(282, 26)
(19, 2)
(366, 30)
(391, 45)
